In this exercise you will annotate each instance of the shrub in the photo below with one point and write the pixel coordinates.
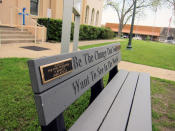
(54, 27)
(148, 38)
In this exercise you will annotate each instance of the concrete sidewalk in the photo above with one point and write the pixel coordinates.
(15, 50)
(153, 71)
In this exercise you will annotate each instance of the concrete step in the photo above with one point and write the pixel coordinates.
(14, 32)
(8, 29)
(16, 36)
(11, 29)
(8, 41)
(4, 26)
(24, 34)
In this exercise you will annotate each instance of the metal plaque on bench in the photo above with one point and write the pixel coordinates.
(55, 70)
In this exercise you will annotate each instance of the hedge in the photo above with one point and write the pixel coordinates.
(54, 27)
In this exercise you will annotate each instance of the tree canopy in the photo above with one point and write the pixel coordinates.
(124, 9)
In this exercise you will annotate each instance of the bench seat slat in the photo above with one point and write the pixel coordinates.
(140, 117)
(91, 119)
(117, 117)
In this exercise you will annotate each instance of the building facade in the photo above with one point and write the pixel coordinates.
(91, 11)
(154, 33)
(23, 14)
(143, 32)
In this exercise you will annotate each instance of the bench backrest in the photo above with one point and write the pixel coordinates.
(57, 81)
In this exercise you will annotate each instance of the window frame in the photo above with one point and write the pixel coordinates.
(36, 3)
(92, 16)
(87, 14)
(97, 18)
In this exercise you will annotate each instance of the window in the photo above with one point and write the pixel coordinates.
(34, 7)
(97, 17)
(87, 15)
(92, 16)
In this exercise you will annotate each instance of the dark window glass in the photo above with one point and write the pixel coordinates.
(34, 7)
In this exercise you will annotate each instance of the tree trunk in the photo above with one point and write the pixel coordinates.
(120, 28)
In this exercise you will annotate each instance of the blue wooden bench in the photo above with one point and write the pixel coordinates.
(57, 81)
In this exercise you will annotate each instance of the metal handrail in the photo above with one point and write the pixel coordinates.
(36, 24)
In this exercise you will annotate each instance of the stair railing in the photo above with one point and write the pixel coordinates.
(37, 25)
(34, 22)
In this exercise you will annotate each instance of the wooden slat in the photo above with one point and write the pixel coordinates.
(81, 61)
(140, 117)
(117, 117)
(94, 115)
(55, 100)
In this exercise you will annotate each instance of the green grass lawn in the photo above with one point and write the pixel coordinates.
(17, 108)
(154, 54)
(163, 104)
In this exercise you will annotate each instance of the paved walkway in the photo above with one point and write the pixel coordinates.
(153, 71)
(15, 50)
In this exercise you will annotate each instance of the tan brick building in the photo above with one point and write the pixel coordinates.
(91, 12)
(139, 30)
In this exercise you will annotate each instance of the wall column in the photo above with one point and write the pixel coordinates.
(55, 8)
(83, 11)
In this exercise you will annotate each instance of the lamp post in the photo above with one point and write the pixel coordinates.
(132, 26)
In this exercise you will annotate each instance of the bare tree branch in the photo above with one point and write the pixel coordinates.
(124, 9)
(171, 2)
(115, 7)
(129, 9)
(127, 19)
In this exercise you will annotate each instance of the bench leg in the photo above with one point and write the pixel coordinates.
(96, 89)
(55, 125)
(112, 73)
(99, 86)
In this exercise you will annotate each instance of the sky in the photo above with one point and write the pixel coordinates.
(160, 19)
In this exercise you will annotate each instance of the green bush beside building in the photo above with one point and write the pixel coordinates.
(54, 27)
